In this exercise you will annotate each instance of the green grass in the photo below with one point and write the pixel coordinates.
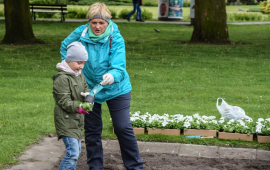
(167, 74)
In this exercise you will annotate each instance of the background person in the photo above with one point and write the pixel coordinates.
(136, 6)
(107, 63)
(68, 83)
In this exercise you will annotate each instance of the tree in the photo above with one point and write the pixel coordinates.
(18, 23)
(210, 24)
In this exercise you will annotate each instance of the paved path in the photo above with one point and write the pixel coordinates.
(44, 155)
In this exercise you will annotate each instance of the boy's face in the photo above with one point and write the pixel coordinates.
(76, 66)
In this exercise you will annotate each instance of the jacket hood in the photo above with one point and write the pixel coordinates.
(59, 73)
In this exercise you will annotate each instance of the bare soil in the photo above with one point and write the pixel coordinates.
(157, 161)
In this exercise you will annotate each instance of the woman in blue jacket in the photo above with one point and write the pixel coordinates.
(107, 63)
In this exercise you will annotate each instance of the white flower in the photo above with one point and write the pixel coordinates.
(268, 119)
(260, 120)
(189, 118)
(187, 124)
(241, 122)
(197, 116)
(258, 129)
(214, 121)
(231, 121)
(221, 121)
(164, 124)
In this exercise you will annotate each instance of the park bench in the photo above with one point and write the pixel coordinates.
(36, 8)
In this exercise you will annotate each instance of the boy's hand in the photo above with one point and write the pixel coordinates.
(85, 94)
(82, 111)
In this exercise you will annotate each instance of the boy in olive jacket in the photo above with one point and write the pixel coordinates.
(68, 84)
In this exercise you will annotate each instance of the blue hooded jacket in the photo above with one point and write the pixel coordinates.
(108, 55)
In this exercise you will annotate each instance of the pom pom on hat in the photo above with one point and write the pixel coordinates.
(76, 52)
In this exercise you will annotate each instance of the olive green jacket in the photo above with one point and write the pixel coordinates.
(67, 90)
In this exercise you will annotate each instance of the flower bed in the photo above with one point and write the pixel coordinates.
(189, 124)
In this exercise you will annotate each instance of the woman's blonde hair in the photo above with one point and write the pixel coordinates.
(98, 8)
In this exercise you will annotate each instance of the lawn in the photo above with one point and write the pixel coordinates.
(168, 75)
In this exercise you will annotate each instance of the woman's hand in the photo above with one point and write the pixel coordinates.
(107, 79)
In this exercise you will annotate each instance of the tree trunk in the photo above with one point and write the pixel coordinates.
(210, 22)
(18, 23)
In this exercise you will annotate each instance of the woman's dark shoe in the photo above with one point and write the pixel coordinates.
(127, 18)
(139, 20)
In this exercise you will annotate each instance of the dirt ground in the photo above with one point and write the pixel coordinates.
(157, 161)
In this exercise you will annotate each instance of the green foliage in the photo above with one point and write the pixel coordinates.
(48, 1)
(107, 2)
(147, 15)
(231, 2)
(113, 13)
(45, 15)
(265, 6)
(2, 14)
(87, 106)
(123, 13)
(254, 10)
(186, 4)
(244, 17)
(150, 3)
(81, 14)
(263, 127)
(72, 13)
(248, 2)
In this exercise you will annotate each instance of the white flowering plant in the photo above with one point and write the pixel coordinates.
(165, 122)
(246, 126)
(178, 121)
(201, 122)
(263, 126)
(138, 120)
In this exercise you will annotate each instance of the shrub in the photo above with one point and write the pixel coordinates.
(248, 2)
(231, 2)
(146, 15)
(2, 14)
(72, 13)
(45, 15)
(48, 1)
(244, 17)
(265, 6)
(186, 4)
(254, 10)
(82, 14)
(113, 13)
(150, 3)
(123, 13)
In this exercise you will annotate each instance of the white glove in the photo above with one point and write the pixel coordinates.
(85, 94)
(107, 79)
